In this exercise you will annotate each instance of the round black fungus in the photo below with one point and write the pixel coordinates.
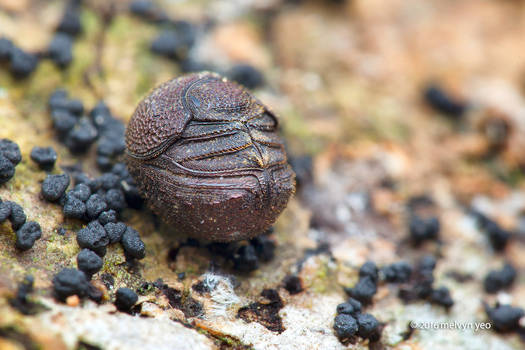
(63, 122)
(6, 49)
(93, 237)
(104, 163)
(505, 318)
(369, 268)
(60, 49)
(81, 136)
(115, 199)
(115, 231)
(5, 211)
(18, 217)
(89, 262)
(264, 247)
(293, 284)
(45, 157)
(442, 102)
(70, 22)
(170, 43)
(81, 191)
(364, 290)
(142, 8)
(368, 326)
(95, 294)
(95, 206)
(345, 326)
(398, 272)
(11, 151)
(303, 169)
(109, 181)
(125, 298)
(27, 235)
(107, 217)
(22, 63)
(7, 169)
(132, 244)
(350, 307)
(497, 280)
(246, 75)
(56, 98)
(423, 229)
(245, 259)
(54, 187)
(74, 207)
(498, 236)
(441, 296)
(70, 282)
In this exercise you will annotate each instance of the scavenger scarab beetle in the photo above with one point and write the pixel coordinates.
(206, 156)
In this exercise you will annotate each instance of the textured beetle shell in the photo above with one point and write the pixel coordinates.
(206, 155)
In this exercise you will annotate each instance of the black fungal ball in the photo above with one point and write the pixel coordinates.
(364, 290)
(497, 280)
(89, 262)
(115, 199)
(107, 217)
(505, 318)
(22, 63)
(7, 169)
(132, 244)
(11, 151)
(63, 122)
(80, 138)
(70, 282)
(45, 157)
(6, 49)
(60, 49)
(368, 325)
(93, 237)
(125, 298)
(115, 231)
(27, 235)
(439, 100)
(70, 22)
(245, 259)
(18, 217)
(350, 307)
(74, 207)
(109, 181)
(345, 326)
(171, 44)
(398, 272)
(246, 75)
(264, 247)
(95, 206)
(293, 284)
(54, 187)
(81, 191)
(369, 269)
(441, 296)
(422, 229)
(5, 211)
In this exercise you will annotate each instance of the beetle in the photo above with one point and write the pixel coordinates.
(206, 155)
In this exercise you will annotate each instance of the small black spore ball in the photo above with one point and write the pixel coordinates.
(115, 199)
(89, 262)
(45, 157)
(497, 280)
(63, 122)
(369, 268)
(398, 272)
(70, 282)
(70, 22)
(17, 217)
(54, 187)
(60, 49)
(133, 246)
(81, 191)
(264, 247)
(11, 151)
(93, 237)
(27, 235)
(74, 207)
(293, 284)
(95, 206)
(350, 307)
(364, 290)
(423, 229)
(107, 217)
(115, 231)
(368, 327)
(246, 75)
(7, 169)
(81, 137)
(245, 259)
(171, 44)
(5, 211)
(22, 63)
(345, 326)
(442, 102)
(505, 318)
(125, 298)
(441, 296)
(6, 49)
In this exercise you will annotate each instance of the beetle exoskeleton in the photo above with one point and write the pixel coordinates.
(206, 156)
